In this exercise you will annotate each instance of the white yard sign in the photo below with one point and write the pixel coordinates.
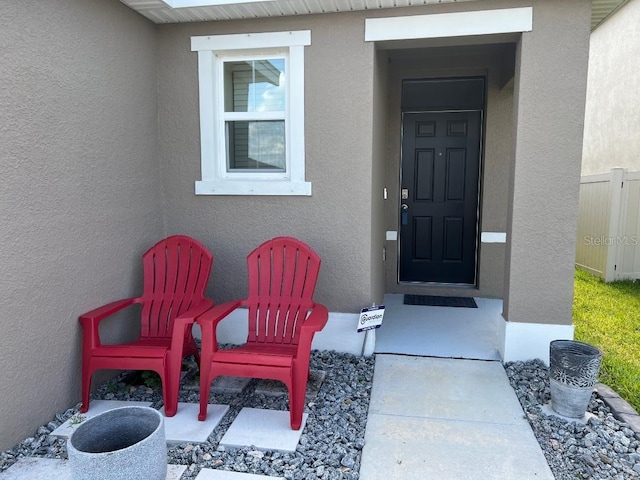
(371, 318)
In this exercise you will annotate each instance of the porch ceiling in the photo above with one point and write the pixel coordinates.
(179, 11)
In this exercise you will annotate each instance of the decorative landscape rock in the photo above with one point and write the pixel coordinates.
(604, 448)
(120, 444)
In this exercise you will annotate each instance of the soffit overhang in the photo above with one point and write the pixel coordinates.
(179, 11)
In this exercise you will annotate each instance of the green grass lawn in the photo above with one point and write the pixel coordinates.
(607, 315)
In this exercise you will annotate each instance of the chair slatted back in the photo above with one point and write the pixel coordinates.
(282, 278)
(176, 271)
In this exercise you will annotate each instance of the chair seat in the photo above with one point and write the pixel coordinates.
(258, 354)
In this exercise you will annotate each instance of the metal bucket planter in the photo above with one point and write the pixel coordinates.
(120, 444)
(573, 371)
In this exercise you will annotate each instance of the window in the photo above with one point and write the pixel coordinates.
(252, 113)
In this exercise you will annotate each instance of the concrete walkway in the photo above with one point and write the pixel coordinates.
(436, 418)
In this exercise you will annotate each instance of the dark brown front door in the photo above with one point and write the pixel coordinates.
(439, 197)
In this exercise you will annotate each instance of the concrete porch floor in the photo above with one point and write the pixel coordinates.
(448, 332)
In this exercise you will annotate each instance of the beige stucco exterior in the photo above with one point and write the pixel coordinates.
(612, 117)
(549, 97)
(103, 149)
(80, 196)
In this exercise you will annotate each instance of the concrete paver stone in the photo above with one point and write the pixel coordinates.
(185, 426)
(209, 474)
(263, 429)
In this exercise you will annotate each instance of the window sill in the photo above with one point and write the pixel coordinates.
(256, 187)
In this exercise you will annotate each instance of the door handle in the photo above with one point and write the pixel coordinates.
(404, 220)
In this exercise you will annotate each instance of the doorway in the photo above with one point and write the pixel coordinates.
(440, 171)
(439, 195)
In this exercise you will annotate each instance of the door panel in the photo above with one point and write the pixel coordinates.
(455, 174)
(423, 229)
(439, 217)
(453, 239)
(424, 175)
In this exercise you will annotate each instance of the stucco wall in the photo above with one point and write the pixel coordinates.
(612, 116)
(336, 219)
(550, 86)
(79, 201)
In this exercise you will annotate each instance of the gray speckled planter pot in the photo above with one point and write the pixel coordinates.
(573, 371)
(120, 444)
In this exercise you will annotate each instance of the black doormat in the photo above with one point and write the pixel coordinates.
(434, 301)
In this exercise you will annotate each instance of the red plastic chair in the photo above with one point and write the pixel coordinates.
(176, 272)
(282, 321)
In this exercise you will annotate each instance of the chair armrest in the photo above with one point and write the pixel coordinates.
(104, 311)
(181, 323)
(314, 323)
(91, 320)
(194, 312)
(317, 319)
(209, 320)
(217, 313)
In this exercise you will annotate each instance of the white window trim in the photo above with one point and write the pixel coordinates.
(211, 49)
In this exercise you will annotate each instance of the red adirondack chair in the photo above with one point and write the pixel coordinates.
(282, 321)
(176, 272)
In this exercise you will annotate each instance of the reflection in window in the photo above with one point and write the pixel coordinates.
(258, 145)
(255, 86)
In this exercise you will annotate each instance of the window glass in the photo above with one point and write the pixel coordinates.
(256, 145)
(254, 85)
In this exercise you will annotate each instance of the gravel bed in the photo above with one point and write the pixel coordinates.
(329, 449)
(603, 448)
(332, 441)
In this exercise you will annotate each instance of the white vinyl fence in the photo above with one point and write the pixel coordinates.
(609, 225)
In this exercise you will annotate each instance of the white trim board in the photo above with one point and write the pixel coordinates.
(493, 237)
(527, 341)
(241, 41)
(439, 25)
